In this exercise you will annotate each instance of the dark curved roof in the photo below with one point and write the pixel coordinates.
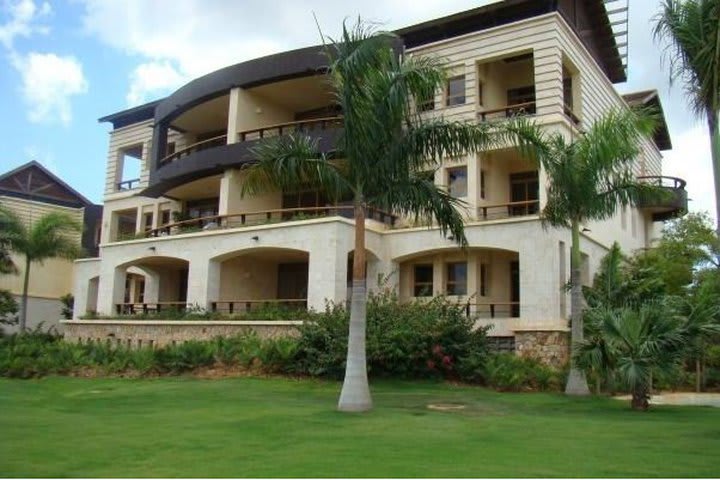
(651, 99)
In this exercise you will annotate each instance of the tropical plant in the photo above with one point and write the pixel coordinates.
(384, 148)
(630, 343)
(703, 320)
(50, 236)
(8, 308)
(691, 29)
(589, 177)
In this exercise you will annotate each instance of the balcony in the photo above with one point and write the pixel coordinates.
(671, 204)
(214, 155)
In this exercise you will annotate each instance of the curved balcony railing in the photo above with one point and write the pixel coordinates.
(265, 217)
(256, 134)
(672, 200)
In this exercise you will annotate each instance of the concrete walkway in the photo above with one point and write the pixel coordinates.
(682, 398)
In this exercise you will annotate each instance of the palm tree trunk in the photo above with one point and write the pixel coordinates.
(26, 282)
(714, 129)
(698, 375)
(355, 394)
(576, 383)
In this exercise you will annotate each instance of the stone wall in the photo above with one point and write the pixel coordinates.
(138, 333)
(550, 347)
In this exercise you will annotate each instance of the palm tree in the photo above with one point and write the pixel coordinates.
(631, 343)
(589, 177)
(381, 155)
(692, 29)
(49, 237)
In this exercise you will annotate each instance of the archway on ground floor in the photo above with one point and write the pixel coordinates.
(485, 280)
(152, 284)
(258, 278)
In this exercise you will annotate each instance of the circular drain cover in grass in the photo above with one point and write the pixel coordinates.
(445, 407)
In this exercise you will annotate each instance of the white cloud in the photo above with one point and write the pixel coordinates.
(182, 40)
(690, 159)
(152, 78)
(23, 17)
(48, 83)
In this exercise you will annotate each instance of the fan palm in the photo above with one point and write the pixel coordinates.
(589, 177)
(51, 236)
(381, 155)
(632, 342)
(692, 29)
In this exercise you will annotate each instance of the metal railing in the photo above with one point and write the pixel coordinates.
(242, 306)
(256, 134)
(138, 308)
(508, 111)
(263, 217)
(507, 210)
(493, 309)
(673, 183)
(128, 184)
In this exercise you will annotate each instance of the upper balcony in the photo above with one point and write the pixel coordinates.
(665, 207)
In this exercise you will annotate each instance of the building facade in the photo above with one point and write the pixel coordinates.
(181, 234)
(31, 191)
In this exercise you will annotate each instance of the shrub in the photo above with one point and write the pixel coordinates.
(407, 340)
(8, 308)
(508, 372)
(185, 356)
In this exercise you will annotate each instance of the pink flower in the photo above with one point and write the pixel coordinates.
(447, 361)
(437, 350)
(431, 364)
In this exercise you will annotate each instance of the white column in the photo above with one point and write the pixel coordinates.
(548, 80)
(233, 114)
(472, 276)
(203, 282)
(230, 196)
(111, 289)
(152, 286)
(327, 272)
(438, 275)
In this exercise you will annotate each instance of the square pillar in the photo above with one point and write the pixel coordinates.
(111, 289)
(438, 275)
(548, 74)
(327, 272)
(203, 283)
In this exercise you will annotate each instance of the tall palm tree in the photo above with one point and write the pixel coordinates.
(692, 29)
(589, 177)
(51, 236)
(381, 155)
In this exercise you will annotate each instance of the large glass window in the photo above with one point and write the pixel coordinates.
(457, 181)
(423, 280)
(455, 94)
(524, 191)
(457, 278)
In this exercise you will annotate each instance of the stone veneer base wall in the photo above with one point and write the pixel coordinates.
(551, 347)
(136, 333)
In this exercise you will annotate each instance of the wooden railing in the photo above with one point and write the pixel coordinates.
(493, 309)
(289, 127)
(507, 210)
(508, 111)
(128, 184)
(262, 217)
(241, 306)
(255, 134)
(570, 114)
(137, 308)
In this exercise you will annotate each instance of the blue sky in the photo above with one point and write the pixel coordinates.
(64, 64)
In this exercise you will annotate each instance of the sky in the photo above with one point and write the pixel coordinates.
(66, 63)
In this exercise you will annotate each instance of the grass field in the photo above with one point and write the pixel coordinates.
(188, 427)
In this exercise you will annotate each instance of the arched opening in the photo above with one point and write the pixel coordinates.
(262, 278)
(486, 280)
(154, 284)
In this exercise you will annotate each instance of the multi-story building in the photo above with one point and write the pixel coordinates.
(183, 234)
(31, 191)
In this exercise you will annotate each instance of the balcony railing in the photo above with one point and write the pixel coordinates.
(243, 306)
(508, 111)
(256, 134)
(144, 308)
(128, 184)
(669, 202)
(263, 217)
(506, 210)
(571, 115)
(493, 309)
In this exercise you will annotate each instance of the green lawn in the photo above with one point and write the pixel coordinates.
(171, 427)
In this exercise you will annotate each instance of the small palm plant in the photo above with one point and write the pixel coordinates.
(630, 343)
(51, 236)
(383, 151)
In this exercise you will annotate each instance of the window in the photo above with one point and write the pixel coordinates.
(423, 281)
(524, 190)
(425, 104)
(480, 93)
(517, 96)
(457, 181)
(482, 184)
(147, 221)
(129, 167)
(484, 280)
(568, 93)
(170, 148)
(164, 217)
(457, 278)
(455, 94)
